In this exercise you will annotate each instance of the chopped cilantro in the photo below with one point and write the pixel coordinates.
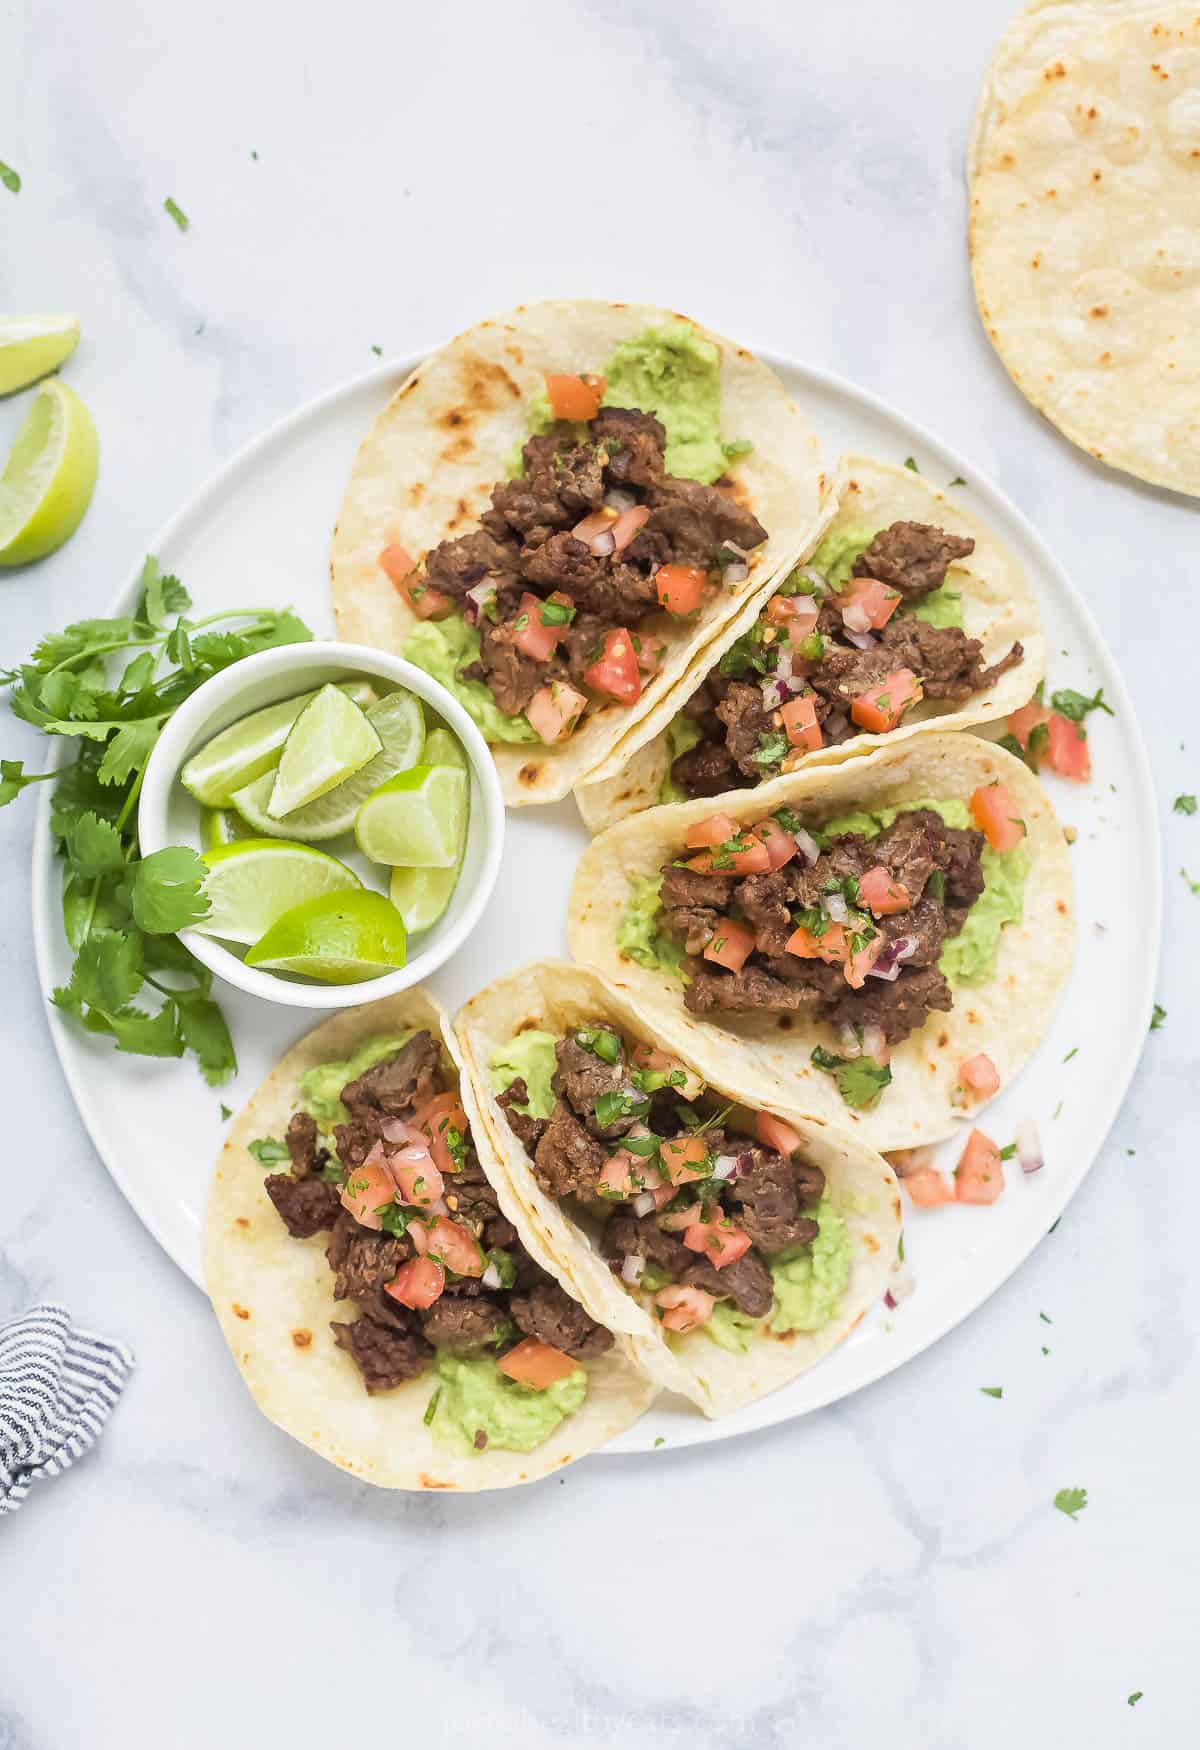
(910, 462)
(395, 1219)
(609, 1107)
(226, 1113)
(1008, 1151)
(1185, 804)
(771, 750)
(505, 1266)
(378, 351)
(992, 1391)
(660, 1440)
(812, 648)
(1077, 706)
(1194, 886)
(935, 887)
(268, 1151)
(601, 1041)
(431, 1407)
(789, 820)
(1133, 1699)
(10, 179)
(1157, 1018)
(176, 212)
(557, 614)
(1072, 1053)
(1045, 1318)
(860, 1080)
(1071, 1501)
(958, 481)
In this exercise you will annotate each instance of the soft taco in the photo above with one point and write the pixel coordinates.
(737, 1242)
(909, 613)
(363, 1259)
(558, 510)
(880, 942)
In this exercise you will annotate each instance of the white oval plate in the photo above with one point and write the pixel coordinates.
(259, 531)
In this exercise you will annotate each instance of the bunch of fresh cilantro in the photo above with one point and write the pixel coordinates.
(109, 686)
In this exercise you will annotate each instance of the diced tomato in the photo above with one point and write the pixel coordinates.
(684, 1308)
(554, 711)
(858, 964)
(450, 1243)
(873, 601)
(800, 721)
(417, 1283)
(679, 587)
(627, 1175)
(574, 398)
(881, 894)
(418, 1181)
(797, 614)
(536, 1364)
(751, 858)
(649, 651)
(683, 1158)
(674, 1221)
(980, 1075)
(426, 602)
(773, 1133)
(781, 846)
(714, 829)
(649, 1057)
(535, 638)
(830, 947)
(927, 1187)
(616, 672)
(367, 1190)
(731, 946)
(979, 1175)
(1022, 723)
(628, 524)
(1067, 751)
(437, 1117)
(996, 817)
(881, 707)
(717, 1239)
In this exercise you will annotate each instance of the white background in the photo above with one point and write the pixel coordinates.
(889, 1570)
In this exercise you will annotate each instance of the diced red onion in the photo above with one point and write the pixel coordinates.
(835, 905)
(1029, 1147)
(807, 846)
(643, 1203)
(860, 640)
(888, 964)
(725, 1166)
(632, 1269)
(855, 617)
(737, 571)
(603, 543)
(477, 599)
(616, 498)
(491, 1277)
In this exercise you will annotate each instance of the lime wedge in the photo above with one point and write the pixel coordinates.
(252, 746)
(338, 938)
(415, 820)
(49, 477)
(398, 723)
(422, 895)
(329, 741)
(221, 826)
(252, 882)
(443, 749)
(32, 346)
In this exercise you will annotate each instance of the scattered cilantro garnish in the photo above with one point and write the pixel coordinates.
(1071, 1501)
(431, 1407)
(992, 1391)
(660, 1440)
(1157, 1018)
(1072, 1053)
(557, 613)
(749, 655)
(226, 1113)
(958, 481)
(1045, 1318)
(910, 462)
(600, 1040)
(771, 749)
(1053, 1225)
(609, 1107)
(9, 178)
(268, 1151)
(1133, 1699)
(1193, 885)
(860, 1080)
(110, 685)
(378, 351)
(1008, 1151)
(505, 1266)
(176, 212)
(1185, 804)
(1076, 706)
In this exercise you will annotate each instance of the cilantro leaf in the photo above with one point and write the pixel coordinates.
(95, 846)
(128, 750)
(1071, 1501)
(910, 462)
(136, 1031)
(992, 1391)
(176, 212)
(107, 973)
(167, 892)
(268, 1151)
(1077, 706)
(1157, 1018)
(10, 178)
(860, 1080)
(203, 1030)
(1133, 1699)
(14, 778)
(1184, 804)
(226, 1113)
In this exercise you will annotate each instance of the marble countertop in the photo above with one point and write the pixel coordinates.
(888, 1571)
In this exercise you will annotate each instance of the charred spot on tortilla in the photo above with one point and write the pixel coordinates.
(240, 1312)
(241, 1221)
(529, 774)
(302, 1338)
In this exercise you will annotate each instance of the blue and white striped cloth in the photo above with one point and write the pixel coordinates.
(57, 1387)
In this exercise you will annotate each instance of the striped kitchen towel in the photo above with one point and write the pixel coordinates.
(57, 1386)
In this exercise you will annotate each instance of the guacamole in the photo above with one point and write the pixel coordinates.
(969, 957)
(474, 1395)
(809, 1286)
(638, 936)
(321, 1086)
(941, 607)
(682, 733)
(835, 557)
(442, 648)
(675, 374)
(730, 1328)
(530, 1055)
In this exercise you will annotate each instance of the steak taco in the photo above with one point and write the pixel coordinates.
(558, 510)
(363, 1261)
(906, 599)
(737, 1242)
(850, 940)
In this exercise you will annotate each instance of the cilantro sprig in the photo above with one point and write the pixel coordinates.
(109, 686)
(860, 1080)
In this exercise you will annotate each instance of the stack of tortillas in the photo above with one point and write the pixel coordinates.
(1084, 166)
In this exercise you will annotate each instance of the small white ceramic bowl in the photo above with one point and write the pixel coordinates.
(168, 815)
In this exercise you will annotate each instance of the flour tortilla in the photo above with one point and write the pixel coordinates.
(758, 1057)
(273, 1297)
(998, 609)
(558, 996)
(1084, 169)
(427, 467)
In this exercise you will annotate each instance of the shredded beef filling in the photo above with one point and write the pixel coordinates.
(743, 739)
(389, 1342)
(526, 545)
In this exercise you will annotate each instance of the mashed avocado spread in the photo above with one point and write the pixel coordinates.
(638, 935)
(531, 1055)
(835, 557)
(473, 1396)
(682, 734)
(969, 957)
(321, 1086)
(442, 648)
(809, 1286)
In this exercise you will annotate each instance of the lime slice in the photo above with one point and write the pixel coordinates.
(422, 895)
(32, 346)
(252, 882)
(252, 746)
(398, 723)
(221, 826)
(415, 820)
(338, 938)
(49, 477)
(443, 749)
(329, 741)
